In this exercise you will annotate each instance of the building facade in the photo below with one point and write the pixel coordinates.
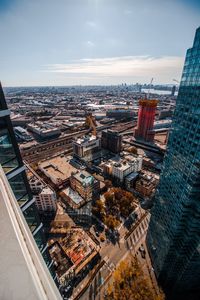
(85, 185)
(124, 168)
(13, 167)
(111, 140)
(174, 233)
(87, 148)
(146, 117)
(45, 197)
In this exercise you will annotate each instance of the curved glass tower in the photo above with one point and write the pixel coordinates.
(173, 237)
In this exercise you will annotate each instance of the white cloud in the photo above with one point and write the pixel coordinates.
(140, 68)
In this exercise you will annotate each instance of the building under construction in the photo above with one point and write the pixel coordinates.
(146, 117)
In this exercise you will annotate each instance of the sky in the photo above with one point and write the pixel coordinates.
(89, 42)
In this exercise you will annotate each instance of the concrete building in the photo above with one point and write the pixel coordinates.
(58, 169)
(111, 140)
(44, 130)
(119, 167)
(72, 198)
(85, 184)
(173, 237)
(146, 184)
(22, 134)
(130, 180)
(146, 117)
(124, 168)
(87, 148)
(45, 197)
(120, 114)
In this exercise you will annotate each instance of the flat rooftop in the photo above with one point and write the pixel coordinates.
(58, 167)
(84, 177)
(86, 139)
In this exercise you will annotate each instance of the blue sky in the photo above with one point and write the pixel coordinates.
(70, 42)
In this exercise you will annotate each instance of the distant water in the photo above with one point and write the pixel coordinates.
(159, 92)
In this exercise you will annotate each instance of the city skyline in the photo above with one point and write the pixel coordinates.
(94, 42)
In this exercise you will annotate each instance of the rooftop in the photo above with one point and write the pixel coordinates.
(58, 168)
(73, 195)
(84, 177)
(86, 139)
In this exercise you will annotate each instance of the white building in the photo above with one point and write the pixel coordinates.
(45, 197)
(44, 130)
(87, 148)
(123, 168)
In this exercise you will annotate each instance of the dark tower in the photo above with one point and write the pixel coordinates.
(173, 237)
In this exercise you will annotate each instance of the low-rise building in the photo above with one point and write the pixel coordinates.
(87, 148)
(72, 198)
(130, 180)
(22, 134)
(146, 184)
(120, 167)
(72, 251)
(58, 169)
(44, 130)
(85, 185)
(120, 113)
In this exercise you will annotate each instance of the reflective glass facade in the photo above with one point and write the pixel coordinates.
(11, 162)
(173, 237)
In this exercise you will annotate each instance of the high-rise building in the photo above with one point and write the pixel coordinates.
(24, 274)
(111, 140)
(174, 233)
(146, 117)
(14, 169)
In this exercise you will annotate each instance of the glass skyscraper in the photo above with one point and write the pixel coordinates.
(173, 237)
(12, 164)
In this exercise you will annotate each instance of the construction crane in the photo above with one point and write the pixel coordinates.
(149, 88)
(90, 123)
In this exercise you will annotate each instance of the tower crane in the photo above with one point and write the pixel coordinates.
(149, 87)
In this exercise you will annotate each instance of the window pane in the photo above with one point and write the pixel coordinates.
(31, 217)
(19, 188)
(39, 240)
(7, 154)
(46, 257)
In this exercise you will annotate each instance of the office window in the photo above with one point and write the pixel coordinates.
(8, 158)
(30, 215)
(18, 186)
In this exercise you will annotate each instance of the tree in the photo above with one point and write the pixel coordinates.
(111, 222)
(98, 209)
(130, 283)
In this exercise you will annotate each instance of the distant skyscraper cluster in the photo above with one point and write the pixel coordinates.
(174, 232)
